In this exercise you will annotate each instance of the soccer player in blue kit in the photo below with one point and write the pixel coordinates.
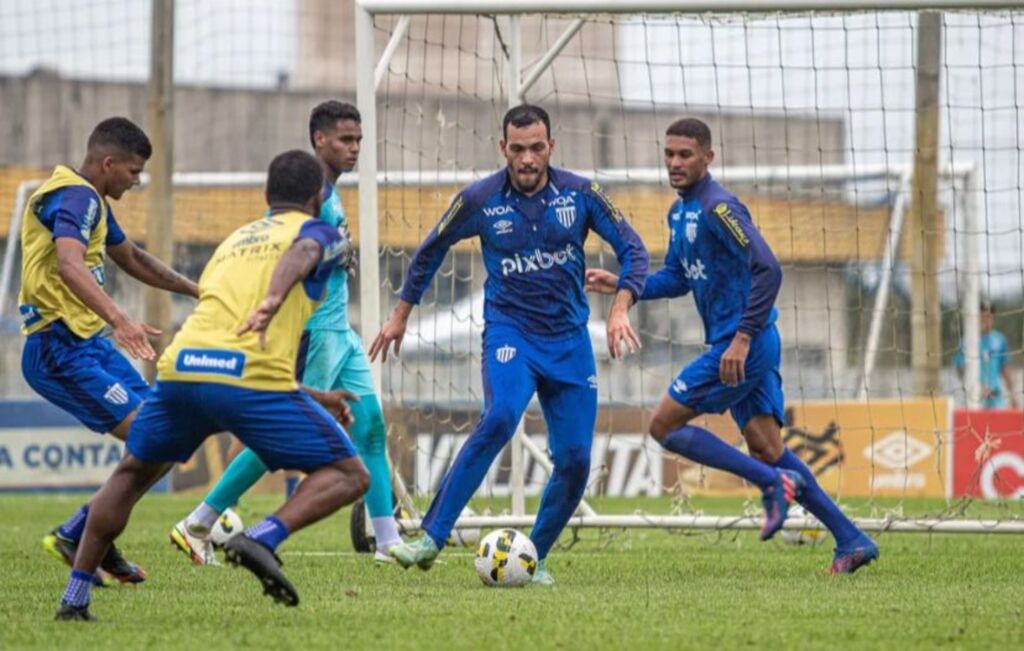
(231, 368)
(716, 252)
(532, 221)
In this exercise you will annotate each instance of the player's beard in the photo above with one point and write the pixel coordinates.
(524, 186)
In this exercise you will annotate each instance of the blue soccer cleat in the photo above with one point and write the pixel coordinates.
(854, 555)
(777, 498)
(541, 576)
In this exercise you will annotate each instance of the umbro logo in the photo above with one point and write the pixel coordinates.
(592, 381)
(505, 354)
(116, 394)
(503, 227)
(679, 386)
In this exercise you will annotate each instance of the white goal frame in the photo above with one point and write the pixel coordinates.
(370, 71)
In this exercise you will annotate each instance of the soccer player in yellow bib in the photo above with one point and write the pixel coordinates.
(331, 358)
(231, 368)
(67, 231)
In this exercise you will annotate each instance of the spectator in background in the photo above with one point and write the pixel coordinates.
(994, 368)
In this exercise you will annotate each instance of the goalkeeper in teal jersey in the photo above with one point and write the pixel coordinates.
(331, 358)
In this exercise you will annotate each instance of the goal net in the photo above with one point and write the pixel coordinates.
(816, 126)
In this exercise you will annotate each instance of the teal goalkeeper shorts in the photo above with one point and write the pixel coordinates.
(334, 359)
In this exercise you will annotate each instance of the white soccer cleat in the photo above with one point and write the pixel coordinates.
(198, 547)
(381, 557)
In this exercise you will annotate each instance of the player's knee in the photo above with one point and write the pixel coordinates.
(574, 464)
(499, 422)
(353, 474)
(361, 479)
(767, 451)
(660, 427)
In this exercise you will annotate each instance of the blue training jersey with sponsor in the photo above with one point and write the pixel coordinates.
(716, 252)
(333, 311)
(532, 249)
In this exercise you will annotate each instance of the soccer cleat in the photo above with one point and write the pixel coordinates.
(421, 553)
(381, 557)
(64, 550)
(243, 550)
(120, 568)
(776, 498)
(541, 576)
(69, 613)
(854, 555)
(198, 548)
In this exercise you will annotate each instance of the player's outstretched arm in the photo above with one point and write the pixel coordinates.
(457, 223)
(148, 269)
(130, 335)
(393, 331)
(297, 262)
(600, 281)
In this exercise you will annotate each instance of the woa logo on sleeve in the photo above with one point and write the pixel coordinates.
(218, 362)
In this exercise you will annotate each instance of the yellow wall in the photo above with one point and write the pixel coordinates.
(798, 231)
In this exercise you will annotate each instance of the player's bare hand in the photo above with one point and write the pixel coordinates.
(337, 404)
(730, 368)
(600, 281)
(133, 337)
(259, 320)
(621, 333)
(391, 333)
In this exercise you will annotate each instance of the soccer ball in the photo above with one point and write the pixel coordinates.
(227, 526)
(506, 558)
(810, 536)
(464, 537)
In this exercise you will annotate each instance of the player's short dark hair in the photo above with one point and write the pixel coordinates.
(293, 177)
(986, 306)
(122, 135)
(691, 128)
(326, 114)
(523, 116)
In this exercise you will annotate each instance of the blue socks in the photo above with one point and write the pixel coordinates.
(244, 471)
(75, 526)
(77, 592)
(818, 502)
(269, 532)
(707, 449)
(290, 484)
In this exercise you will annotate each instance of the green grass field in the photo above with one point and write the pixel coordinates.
(638, 589)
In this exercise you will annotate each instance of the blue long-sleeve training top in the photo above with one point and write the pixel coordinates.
(532, 249)
(716, 251)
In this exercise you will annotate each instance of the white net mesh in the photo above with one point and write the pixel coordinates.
(813, 118)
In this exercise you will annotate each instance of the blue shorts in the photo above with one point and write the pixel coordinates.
(88, 378)
(334, 359)
(286, 429)
(698, 385)
(562, 372)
